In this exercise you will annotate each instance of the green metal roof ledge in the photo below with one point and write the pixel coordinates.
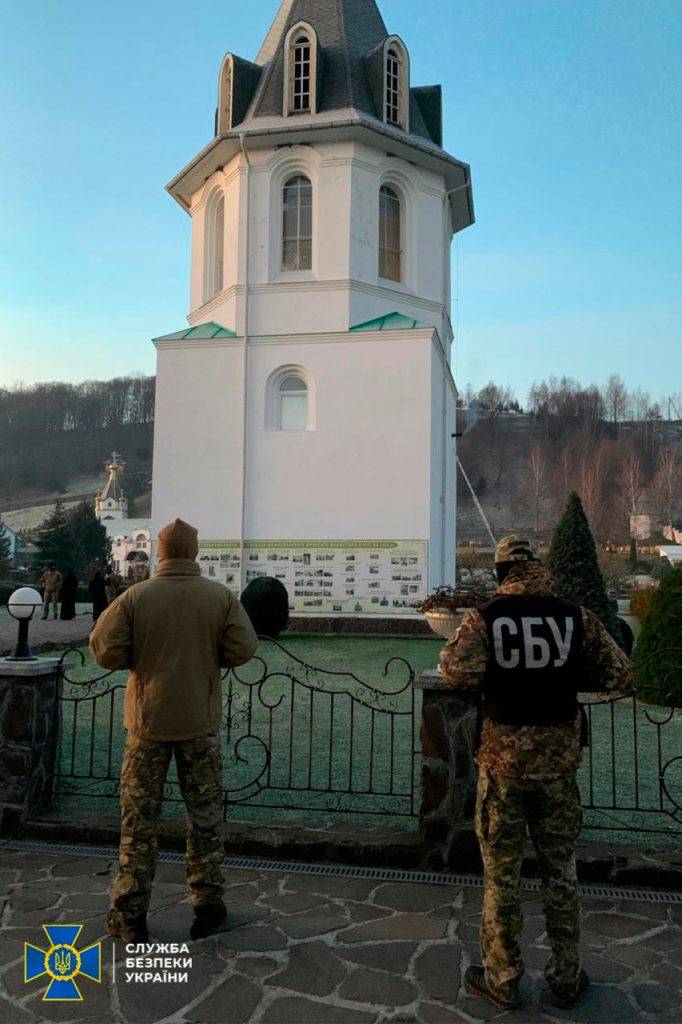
(201, 332)
(391, 322)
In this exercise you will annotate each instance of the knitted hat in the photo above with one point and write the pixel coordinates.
(178, 540)
(515, 549)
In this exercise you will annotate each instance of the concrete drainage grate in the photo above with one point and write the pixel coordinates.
(344, 871)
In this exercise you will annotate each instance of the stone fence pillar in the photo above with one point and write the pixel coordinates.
(28, 737)
(449, 775)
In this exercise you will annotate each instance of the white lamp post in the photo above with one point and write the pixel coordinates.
(21, 606)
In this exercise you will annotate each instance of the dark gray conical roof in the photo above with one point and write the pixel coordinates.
(347, 30)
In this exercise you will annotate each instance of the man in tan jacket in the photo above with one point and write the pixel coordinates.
(174, 632)
(52, 581)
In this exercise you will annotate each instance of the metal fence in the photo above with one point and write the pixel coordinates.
(296, 737)
(314, 742)
(631, 776)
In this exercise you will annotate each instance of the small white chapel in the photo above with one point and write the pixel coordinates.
(305, 417)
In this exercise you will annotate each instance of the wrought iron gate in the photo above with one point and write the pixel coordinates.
(296, 737)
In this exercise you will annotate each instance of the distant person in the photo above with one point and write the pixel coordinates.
(67, 595)
(98, 593)
(52, 581)
(175, 633)
(111, 587)
(528, 654)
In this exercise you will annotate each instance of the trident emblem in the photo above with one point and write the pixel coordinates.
(62, 961)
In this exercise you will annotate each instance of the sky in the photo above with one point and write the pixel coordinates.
(569, 112)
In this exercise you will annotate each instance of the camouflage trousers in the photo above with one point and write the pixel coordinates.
(143, 774)
(551, 810)
(51, 597)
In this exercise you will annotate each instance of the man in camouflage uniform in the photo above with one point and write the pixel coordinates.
(528, 654)
(174, 632)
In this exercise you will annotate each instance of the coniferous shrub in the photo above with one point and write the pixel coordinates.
(5, 547)
(658, 656)
(573, 563)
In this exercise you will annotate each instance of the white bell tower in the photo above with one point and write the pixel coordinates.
(111, 502)
(309, 408)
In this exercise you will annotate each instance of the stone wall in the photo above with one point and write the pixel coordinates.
(28, 734)
(449, 776)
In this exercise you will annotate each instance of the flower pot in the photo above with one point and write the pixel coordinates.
(443, 621)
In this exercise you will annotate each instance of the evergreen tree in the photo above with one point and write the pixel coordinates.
(5, 550)
(90, 545)
(573, 563)
(658, 656)
(55, 542)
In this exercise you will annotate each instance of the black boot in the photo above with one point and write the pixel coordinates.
(129, 929)
(566, 996)
(508, 998)
(208, 919)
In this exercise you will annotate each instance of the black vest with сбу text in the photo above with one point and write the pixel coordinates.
(535, 647)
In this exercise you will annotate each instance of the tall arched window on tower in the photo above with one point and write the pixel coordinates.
(297, 224)
(293, 403)
(390, 234)
(214, 246)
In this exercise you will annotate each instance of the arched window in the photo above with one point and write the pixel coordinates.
(214, 246)
(293, 403)
(393, 69)
(297, 224)
(290, 399)
(300, 70)
(390, 234)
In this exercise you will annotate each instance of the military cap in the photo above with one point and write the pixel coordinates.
(515, 549)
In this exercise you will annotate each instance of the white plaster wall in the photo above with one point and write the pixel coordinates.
(363, 473)
(343, 287)
(197, 437)
(443, 499)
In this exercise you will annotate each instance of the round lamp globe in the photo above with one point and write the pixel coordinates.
(23, 603)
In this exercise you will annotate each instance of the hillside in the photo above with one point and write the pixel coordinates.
(616, 449)
(55, 440)
(523, 467)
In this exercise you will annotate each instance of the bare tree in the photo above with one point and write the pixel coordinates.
(632, 489)
(667, 487)
(616, 398)
(537, 471)
(493, 401)
(593, 482)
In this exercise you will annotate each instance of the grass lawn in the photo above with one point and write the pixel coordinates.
(341, 736)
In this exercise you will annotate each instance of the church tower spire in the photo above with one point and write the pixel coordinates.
(111, 502)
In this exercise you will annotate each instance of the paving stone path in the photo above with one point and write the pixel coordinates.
(303, 949)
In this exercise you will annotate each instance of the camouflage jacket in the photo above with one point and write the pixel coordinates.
(533, 752)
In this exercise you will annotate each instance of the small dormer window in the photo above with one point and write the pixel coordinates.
(396, 84)
(301, 82)
(300, 73)
(393, 87)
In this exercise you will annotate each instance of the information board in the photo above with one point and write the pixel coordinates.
(328, 577)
